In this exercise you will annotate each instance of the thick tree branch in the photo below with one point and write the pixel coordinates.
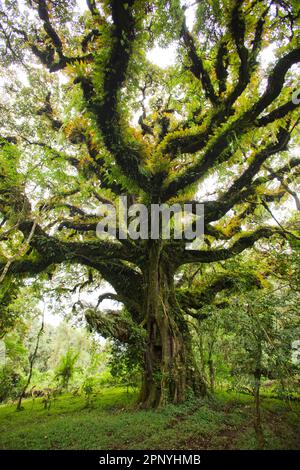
(197, 68)
(128, 152)
(192, 300)
(221, 66)
(241, 244)
(219, 150)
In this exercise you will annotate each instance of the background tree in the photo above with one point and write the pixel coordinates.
(70, 139)
(15, 326)
(32, 358)
(66, 368)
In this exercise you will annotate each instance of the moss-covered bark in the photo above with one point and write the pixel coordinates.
(169, 368)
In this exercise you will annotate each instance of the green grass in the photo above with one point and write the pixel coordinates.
(114, 422)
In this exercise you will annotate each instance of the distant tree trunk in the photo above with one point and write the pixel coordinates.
(201, 351)
(169, 367)
(257, 382)
(211, 369)
(32, 358)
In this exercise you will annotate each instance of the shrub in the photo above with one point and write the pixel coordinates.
(10, 383)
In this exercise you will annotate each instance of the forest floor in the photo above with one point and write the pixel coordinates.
(114, 422)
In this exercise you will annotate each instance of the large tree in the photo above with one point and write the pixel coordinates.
(87, 118)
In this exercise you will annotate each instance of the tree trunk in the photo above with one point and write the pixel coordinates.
(32, 358)
(211, 374)
(258, 426)
(169, 369)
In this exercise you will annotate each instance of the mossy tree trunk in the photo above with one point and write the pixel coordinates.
(169, 368)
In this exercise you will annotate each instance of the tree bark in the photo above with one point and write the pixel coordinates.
(169, 367)
(211, 374)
